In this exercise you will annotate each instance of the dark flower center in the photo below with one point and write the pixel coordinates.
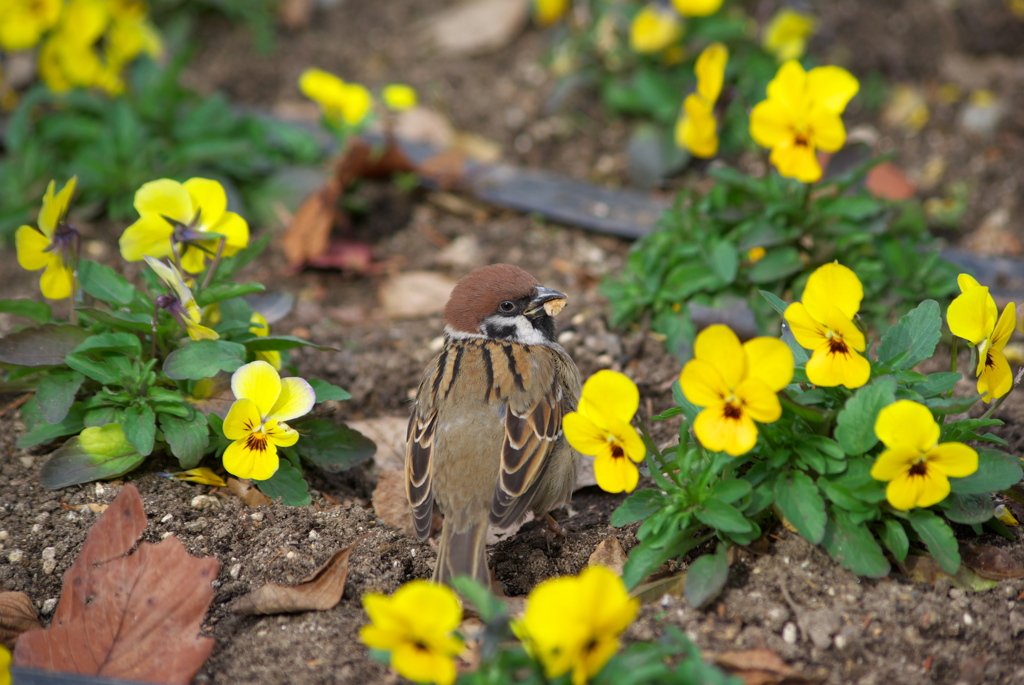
(801, 140)
(63, 240)
(919, 469)
(838, 346)
(733, 410)
(617, 451)
(989, 361)
(256, 442)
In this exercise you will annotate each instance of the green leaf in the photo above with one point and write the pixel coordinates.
(487, 605)
(800, 355)
(188, 439)
(136, 321)
(333, 446)
(100, 452)
(30, 309)
(219, 292)
(776, 265)
(968, 509)
(706, 577)
(113, 342)
(287, 484)
(801, 503)
(140, 428)
(723, 517)
(56, 393)
(104, 283)
(199, 359)
(641, 505)
(996, 471)
(894, 536)
(951, 405)
(938, 537)
(232, 265)
(777, 303)
(283, 342)
(45, 345)
(98, 371)
(855, 424)
(854, 547)
(44, 432)
(856, 207)
(730, 489)
(724, 260)
(938, 383)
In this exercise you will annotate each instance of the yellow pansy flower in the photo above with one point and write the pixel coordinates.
(823, 322)
(129, 37)
(399, 97)
(915, 464)
(181, 304)
(654, 28)
(696, 8)
(340, 102)
(5, 666)
(190, 217)
(972, 316)
(737, 384)
(23, 22)
(785, 36)
(52, 244)
(573, 623)
(256, 420)
(600, 428)
(260, 328)
(415, 625)
(547, 12)
(696, 128)
(801, 116)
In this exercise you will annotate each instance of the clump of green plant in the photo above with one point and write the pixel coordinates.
(839, 438)
(181, 364)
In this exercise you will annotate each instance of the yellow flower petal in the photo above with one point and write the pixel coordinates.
(953, 459)
(697, 130)
(609, 394)
(721, 348)
(905, 491)
(829, 369)
(1004, 327)
(770, 361)
(996, 378)
(808, 332)
(895, 461)
(832, 87)
(55, 206)
(209, 200)
(710, 70)
(281, 434)
(833, 285)
(31, 246)
(296, 398)
(547, 12)
(58, 280)
(697, 8)
(724, 429)
(972, 315)
(789, 87)
(759, 400)
(399, 97)
(149, 235)
(244, 461)
(259, 382)
(702, 383)
(966, 282)
(829, 132)
(771, 123)
(785, 34)
(796, 161)
(934, 487)
(235, 229)
(324, 88)
(165, 197)
(242, 419)
(654, 28)
(197, 331)
(613, 609)
(356, 103)
(423, 665)
(615, 474)
(584, 435)
(907, 424)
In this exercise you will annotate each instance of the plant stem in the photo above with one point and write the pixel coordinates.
(75, 250)
(152, 342)
(216, 261)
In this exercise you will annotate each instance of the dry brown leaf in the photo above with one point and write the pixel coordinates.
(992, 562)
(415, 294)
(888, 181)
(390, 502)
(389, 434)
(309, 232)
(318, 592)
(294, 15)
(476, 27)
(609, 553)
(250, 496)
(762, 667)
(446, 169)
(17, 615)
(131, 616)
(654, 590)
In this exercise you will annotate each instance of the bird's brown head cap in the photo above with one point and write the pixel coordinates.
(479, 293)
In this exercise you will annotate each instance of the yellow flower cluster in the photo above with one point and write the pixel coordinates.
(972, 316)
(658, 27)
(84, 43)
(696, 129)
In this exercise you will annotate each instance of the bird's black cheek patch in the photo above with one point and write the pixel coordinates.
(546, 325)
(500, 331)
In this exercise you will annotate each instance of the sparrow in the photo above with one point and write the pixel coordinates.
(485, 442)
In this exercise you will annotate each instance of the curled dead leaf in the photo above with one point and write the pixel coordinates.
(131, 616)
(320, 591)
(250, 496)
(17, 615)
(991, 562)
(609, 553)
(762, 667)
(390, 502)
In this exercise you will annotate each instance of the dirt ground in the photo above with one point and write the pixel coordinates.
(784, 595)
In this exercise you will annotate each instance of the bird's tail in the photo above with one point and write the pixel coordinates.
(462, 553)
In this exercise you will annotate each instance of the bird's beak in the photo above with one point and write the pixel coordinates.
(546, 300)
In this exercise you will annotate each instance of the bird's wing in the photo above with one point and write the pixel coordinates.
(419, 454)
(529, 385)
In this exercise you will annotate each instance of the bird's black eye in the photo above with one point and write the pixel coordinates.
(507, 306)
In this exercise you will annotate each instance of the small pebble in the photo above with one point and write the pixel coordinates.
(4, 535)
(968, 620)
(789, 633)
(290, 555)
(235, 570)
(48, 606)
(167, 519)
(256, 516)
(205, 502)
(15, 556)
(313, 535)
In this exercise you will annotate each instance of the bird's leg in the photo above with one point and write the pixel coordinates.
(554, 527)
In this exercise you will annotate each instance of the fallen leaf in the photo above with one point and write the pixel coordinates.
(390, 502)
(886, 180)
(609, 553)
(762, 667)
(389, 434)
(415, 294)
(319, 592)
(245, 491)
(907, 108)
(924, 569)
(294, 15)
(476, 27)
(654, 590)
(130, 616)
(992, 562)
(17, 615)
(213, 396)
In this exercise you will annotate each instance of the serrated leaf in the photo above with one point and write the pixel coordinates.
(854, 547)
(199, 359)
(100, 452)
(938, 537)
(996, 471)
(332, 446)
(723, 517)
(706, 577)
(938, 383)
(187, 438)
(104, 283)
(801, 503)
(45, 345)
(30, 309)
(287, 484)
(894, 536)
(56, 393)
(140, 428)
(855, 424)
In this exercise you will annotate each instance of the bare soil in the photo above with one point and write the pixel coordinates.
(833, 627)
